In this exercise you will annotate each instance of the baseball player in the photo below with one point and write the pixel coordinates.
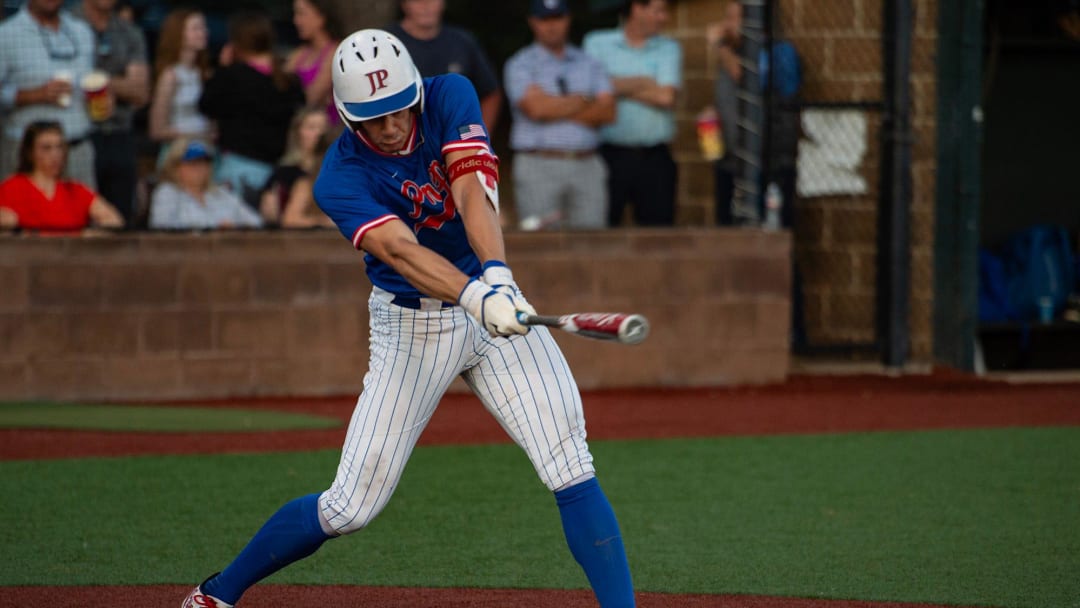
(413, 183)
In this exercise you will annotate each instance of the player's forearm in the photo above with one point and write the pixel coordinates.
(481, 220)
(427, 271)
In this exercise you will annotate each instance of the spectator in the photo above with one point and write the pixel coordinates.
(287, 200)
(37, 197)
(181, 66)
(437, 48)
(252, 99)
(726, 37)
(783, 115)
(319, 28)
(43, 51)
(559, 97)
(646, 71)
(121, 54)
(188, 199)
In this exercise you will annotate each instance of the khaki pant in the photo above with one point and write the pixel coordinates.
(556, 193)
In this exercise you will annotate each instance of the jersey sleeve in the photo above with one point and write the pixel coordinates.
(343, 192)
(460, 123)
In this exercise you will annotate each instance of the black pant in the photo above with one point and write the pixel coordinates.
(725, 193)
(644, 177)
(114, 164)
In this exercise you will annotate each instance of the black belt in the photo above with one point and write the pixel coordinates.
(564, 154)
(413, 303)
(640, 149)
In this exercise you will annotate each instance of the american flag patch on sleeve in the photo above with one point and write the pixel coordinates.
(471, 131)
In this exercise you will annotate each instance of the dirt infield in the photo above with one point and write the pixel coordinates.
(811, 404)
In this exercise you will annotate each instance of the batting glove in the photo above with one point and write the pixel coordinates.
(495, 311)
(498, 275)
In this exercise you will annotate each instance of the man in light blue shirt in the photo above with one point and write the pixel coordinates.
(559, 97)
(44, 52)
(646, 71)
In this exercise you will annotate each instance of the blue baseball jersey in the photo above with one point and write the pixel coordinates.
(360, 187)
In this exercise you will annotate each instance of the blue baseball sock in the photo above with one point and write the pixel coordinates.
(291, 534)
(593, 536)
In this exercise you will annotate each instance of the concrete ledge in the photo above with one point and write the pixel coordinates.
(168, 316)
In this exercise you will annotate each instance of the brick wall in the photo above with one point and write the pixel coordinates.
(840, 44)
(189, 316)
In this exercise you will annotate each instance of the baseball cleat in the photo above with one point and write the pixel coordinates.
(198, 599)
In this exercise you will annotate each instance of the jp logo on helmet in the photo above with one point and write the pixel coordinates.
(373, 76)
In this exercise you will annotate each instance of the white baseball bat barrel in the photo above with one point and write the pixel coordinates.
(621, 327)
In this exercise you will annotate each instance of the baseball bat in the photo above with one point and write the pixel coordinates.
(616, 326)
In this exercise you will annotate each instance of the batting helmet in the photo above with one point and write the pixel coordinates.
(373, 76)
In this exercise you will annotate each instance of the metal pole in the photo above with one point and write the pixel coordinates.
(894, 249)
(752, 112)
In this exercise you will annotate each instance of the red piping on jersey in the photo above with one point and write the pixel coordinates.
(464, 145)
(358, 236)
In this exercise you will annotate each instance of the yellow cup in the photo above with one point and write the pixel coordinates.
(95, 86)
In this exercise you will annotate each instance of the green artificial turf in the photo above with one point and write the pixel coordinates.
(987, 517)
(84, 417)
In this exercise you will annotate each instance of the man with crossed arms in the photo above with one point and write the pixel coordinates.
(560, 97)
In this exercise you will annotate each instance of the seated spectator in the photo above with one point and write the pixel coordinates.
(252, 99)
(38, 197)
(288, 200)
(180, 68)
(187, 199)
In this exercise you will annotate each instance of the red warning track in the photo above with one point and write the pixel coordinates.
(809, 404)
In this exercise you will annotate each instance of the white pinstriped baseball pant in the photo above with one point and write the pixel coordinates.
(524, 381)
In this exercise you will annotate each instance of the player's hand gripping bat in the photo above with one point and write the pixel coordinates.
(617, 326)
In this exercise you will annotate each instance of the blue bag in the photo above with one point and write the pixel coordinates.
(1038, 264)
(788, 77)
(993, 289)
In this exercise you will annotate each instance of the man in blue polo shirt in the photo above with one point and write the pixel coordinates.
(559, 97)
(646, 71)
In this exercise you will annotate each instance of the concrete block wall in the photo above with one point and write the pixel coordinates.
(840, 45)
(169, 316)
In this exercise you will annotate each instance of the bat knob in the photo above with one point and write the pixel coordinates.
(522, 317)
(633, 329)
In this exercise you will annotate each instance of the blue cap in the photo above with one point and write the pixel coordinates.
(548, 8)
(197, 150)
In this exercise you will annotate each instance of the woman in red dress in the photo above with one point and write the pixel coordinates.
(39, 197)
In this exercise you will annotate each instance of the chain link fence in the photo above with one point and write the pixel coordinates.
(812, 126)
